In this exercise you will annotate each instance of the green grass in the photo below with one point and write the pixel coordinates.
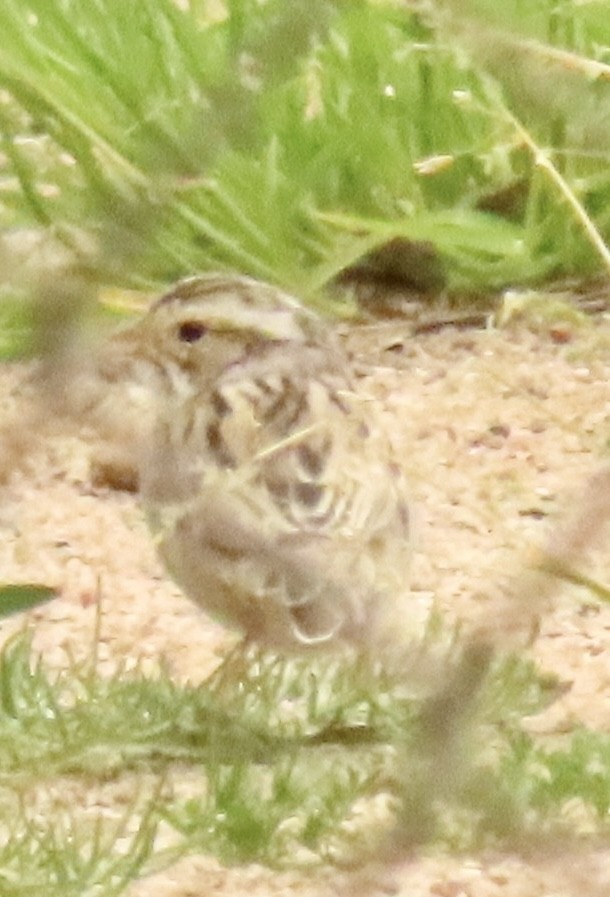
(288, 141)
(276, 760)
(143, 143)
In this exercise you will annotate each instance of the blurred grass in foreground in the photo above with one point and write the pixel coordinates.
(143, 142)
(280, 767)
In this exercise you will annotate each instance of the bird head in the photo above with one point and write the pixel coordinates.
(208, 323)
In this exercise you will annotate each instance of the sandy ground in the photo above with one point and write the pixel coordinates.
(498, 430)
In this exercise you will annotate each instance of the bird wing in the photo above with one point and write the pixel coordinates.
(295, 507)
(225, 558)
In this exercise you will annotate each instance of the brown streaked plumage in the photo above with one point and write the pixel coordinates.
(269, 486)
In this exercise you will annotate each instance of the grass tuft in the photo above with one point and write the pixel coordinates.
(289, 142)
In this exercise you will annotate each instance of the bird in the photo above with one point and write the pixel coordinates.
(268, 482)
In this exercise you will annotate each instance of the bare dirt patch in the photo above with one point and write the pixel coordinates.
(498, 430)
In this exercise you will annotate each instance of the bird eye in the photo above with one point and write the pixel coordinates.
(191, 331)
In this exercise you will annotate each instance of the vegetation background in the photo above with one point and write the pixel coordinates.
(443, 150)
